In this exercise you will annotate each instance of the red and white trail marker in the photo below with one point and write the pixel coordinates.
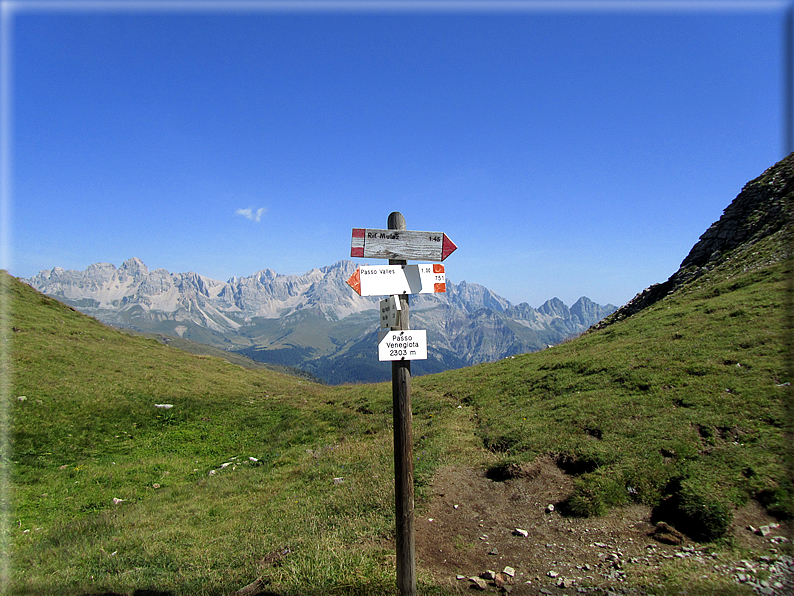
(390, 280)
(400, 244)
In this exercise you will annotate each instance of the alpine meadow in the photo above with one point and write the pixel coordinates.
(649, 455)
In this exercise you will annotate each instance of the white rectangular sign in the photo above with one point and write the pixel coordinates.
(388, 280)
(408, 344)
(390, 312)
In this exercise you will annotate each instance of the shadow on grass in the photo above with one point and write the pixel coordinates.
(135, 593)
(163, 593)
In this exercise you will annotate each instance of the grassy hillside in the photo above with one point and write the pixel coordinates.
(251, 473)
(112, 492)
(194, 347)
(683, 405)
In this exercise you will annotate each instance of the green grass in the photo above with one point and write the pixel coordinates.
(86, 431)
(679, 407)
(681, 404)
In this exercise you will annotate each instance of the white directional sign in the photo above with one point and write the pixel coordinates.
(400, 244)
(409, 344)
(390, 312)
(389, 280)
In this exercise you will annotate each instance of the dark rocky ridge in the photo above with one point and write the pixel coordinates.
(761, 209)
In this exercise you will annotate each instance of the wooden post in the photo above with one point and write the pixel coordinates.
(403, 449)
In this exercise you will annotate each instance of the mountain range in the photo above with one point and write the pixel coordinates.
(314, 321)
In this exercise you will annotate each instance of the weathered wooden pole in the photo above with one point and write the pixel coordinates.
(403, 449)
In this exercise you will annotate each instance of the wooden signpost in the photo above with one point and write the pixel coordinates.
(398, 343)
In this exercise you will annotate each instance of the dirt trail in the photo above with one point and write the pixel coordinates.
(470, 525)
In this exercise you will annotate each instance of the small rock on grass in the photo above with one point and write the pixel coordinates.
(501, 580)
(564, 582)
(478, 583)
(252, 589)
(667, 534)
(766, 530)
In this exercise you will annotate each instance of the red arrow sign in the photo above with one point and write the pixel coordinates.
(401, 244)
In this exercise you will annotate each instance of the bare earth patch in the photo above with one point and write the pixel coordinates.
(470, 523)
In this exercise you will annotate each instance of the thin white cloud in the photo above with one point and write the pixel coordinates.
(249, 213)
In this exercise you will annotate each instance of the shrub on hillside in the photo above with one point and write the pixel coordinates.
(696, 509)
(777, 500)
(707, 517)
(593, 494)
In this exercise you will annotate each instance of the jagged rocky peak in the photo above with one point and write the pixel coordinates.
(95, 268)
(264, 276)
(757, 212)
(472, 297)
(157, 281)
(555, 307)
(48, 273)
(587, 310)
(761, 209)
(134, 267)
(583, 305)
(341, 268)
(523, 311)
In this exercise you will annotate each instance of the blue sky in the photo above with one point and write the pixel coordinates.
(568, 149)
